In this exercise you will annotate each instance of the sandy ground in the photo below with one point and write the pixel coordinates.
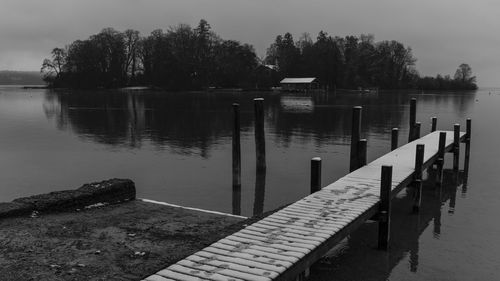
(126, 241)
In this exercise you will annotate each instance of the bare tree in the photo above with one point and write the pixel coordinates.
(464, 74)
(52, 68)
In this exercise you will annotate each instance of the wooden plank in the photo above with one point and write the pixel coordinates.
(199, 273)
(254, 252)
(155, 277)
(285, 228)
(254, 227)
(223, 271)
(290, 256)
(337, 217)
(299, 224)
(277, 246)
(282, 237)
(261, 262)
(342, 211)
(254, 272)
(316, 224)
(280, 240)
(236, 258)
(169, 274)
(295, 226)
(357, 201)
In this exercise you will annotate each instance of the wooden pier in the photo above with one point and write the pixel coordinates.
(285, 244)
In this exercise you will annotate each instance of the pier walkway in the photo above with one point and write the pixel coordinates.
(284, 244)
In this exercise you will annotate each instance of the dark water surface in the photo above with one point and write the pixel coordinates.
(176, 147)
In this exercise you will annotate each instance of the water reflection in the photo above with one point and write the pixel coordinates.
(186, 125)
(236, 200)
(297, 103)
(187, 121)
(406, 229)
(260, 191)
(198, 127)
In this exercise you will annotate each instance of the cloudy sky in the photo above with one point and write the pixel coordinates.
(442, 33)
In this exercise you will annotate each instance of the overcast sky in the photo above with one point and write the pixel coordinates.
(442, 33)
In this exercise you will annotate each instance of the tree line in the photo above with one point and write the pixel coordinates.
(186, 58)
(462, 80)
(180, 58)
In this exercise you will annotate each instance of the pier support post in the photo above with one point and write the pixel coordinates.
(362, 152)
(355, 134)
(456, 146)
(468, 132)
(384, 224)
(417, 177)
(433, 124)
(260, 141)
(315, 174)
(417, 131)
(394, 138)
(236, 160)
(413, 116)
(440, 159)
(236, 145)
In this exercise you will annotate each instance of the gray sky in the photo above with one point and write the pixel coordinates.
(442, 33)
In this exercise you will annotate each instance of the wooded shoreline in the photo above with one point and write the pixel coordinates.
(185, 58)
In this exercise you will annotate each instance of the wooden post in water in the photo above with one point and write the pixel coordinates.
(260, 141)
(362, 152)
(315, 174)
(417, 131)
(355, 133)
(236, 202)
(394, 138)
(236, 145)
(413, 116)
(417, 177)
(440, 159)
(434, 124)
(456, 146)
(468, 132)
(384, 224)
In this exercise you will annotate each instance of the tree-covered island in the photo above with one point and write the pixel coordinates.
(186, 58)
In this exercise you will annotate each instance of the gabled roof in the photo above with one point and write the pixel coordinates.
(298, 80)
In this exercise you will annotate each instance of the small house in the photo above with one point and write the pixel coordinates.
(299, 84)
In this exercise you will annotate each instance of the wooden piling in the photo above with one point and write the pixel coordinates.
(362, 152)
(417, 177)
(236, 198)
(433, 124)
(394, 138)
(456, 146)
(468, 129)
(417, 131)
(440, 159)
(384, 224)
(413, 116)
(468, 132)
(236, 146)
(260, 141)
(355, 135)
(315, 174)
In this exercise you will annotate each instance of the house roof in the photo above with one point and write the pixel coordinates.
(271, 66)
(298, 80)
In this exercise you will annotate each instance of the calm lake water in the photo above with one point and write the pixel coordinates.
(176, 147)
